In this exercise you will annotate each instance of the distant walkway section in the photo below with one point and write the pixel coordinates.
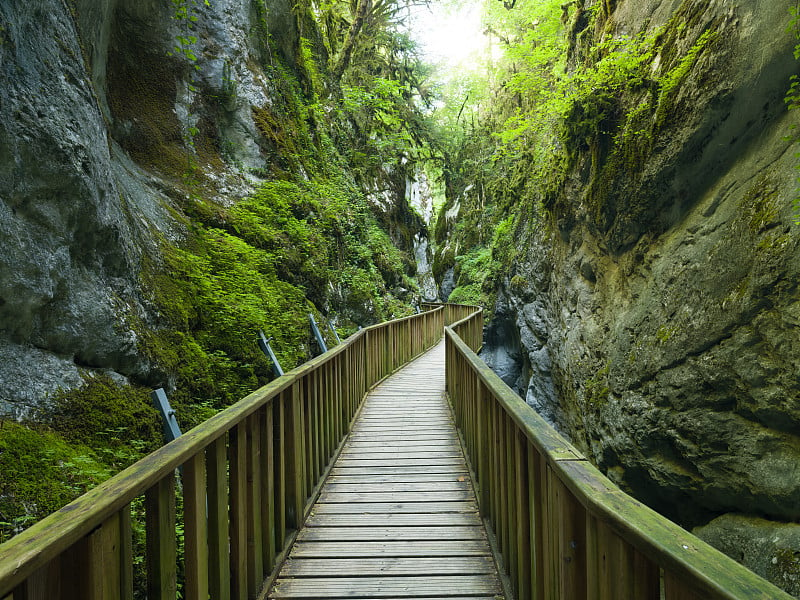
(397, 517)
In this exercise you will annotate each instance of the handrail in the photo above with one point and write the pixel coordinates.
(249, 477)
(563, 529)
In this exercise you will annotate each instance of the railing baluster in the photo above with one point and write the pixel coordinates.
(676, 588)
(195, 528)
(126, 553)
(161, 540)
(511, 507)
(43, 584)
(282, 461)
(268, 486)
(295, 450)
(255, 539)
(536, 512)
(218, 529)
(522, 524)
(237, 439)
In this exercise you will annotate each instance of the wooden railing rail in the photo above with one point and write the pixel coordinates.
(249, 476)
(563, 529)
(465, 319)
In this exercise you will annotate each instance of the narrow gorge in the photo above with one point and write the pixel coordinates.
(614, 181)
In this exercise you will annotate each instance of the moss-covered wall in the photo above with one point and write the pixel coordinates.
(190, 177)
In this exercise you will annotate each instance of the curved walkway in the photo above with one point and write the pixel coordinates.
(397, 517)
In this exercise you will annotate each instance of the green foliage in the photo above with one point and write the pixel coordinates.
(256, 266)
(473, 271)
(596, 389)
(102, 409)
(39, 473)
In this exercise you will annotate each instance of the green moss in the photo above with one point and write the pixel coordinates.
(596, 389)
(39, 473)
(470, 293)
(101, 409)
(665, 333)
(141, 96)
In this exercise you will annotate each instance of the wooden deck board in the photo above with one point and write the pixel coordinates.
(344, 567)
(401, 586)
(397, 517)
(336, 533)
(393, 519)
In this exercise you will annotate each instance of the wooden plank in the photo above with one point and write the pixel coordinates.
(340, 469)
(393, 519)
(397, 456)
(402, 462)
(458, 477)
(402, 587)
(396, 497)
(392, 566)
(395, 447)
(402, 437)
(365, 487)
(371, 534)
(161, 544)
(195, 529)
(397, 507)
(218, 529)
(399, 548)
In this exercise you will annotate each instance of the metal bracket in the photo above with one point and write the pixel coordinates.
(322, 345)
(335, 333)
(168, 420)
(263, 343)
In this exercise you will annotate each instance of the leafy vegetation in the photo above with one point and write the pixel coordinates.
(344, 126)
(571, 97)
(40, 473)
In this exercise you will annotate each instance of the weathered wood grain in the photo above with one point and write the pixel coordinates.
(402, 587)
(397, 516)
(344, 567)
(396, 533)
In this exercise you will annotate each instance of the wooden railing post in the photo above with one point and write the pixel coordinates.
(218, 529)
(237, 439)
(255, 527)
(161, 540)
(295, 451)
(195, 529)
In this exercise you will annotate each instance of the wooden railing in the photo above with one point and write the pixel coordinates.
(249, 476)
(456, 315)
(563, 529)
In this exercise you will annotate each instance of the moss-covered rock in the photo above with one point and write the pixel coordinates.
(39, 473)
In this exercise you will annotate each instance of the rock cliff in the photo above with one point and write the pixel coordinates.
(122, 123)
(652, 312)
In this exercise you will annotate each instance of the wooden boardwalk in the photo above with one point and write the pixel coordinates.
(397, 517)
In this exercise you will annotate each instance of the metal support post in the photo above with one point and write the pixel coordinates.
(263, 343)
(318, 334)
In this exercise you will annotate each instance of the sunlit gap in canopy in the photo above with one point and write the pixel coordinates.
(449, 33)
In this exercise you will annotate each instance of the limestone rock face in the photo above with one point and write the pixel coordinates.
(89, 103)
(767, 548)
(105, 116)
(663, 309)
(70, 237)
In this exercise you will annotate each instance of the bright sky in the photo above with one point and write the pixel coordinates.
(448, 34)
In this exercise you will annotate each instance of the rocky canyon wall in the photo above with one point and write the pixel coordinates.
(656, 307)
